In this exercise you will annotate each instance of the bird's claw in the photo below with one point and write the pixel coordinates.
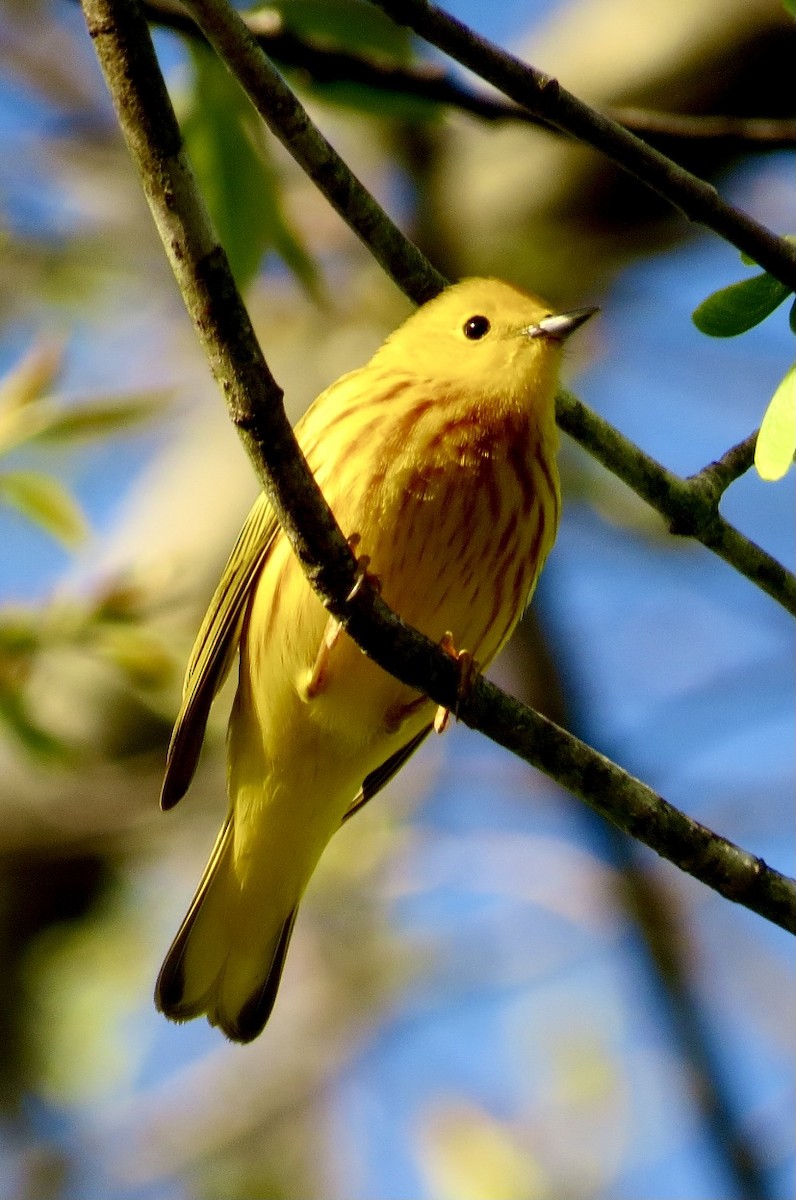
(364, 576)
(317, 676)
(468, 669)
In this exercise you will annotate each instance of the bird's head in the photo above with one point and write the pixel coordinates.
(487, 340)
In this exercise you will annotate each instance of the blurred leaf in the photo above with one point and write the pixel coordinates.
(227, 148)
(776, 441)
(739, 307)
(121, 599)
(792, 314)
(138, 653)
(378, 102)
(20, 632)
(21, 389)
(60, 424)
(81, 422)
(350, 24)
(790, 7)
(47, 503)
(468, 1155)
(286, 243)
(22, 424)
(84, 981)
(34, 374)
(33, 738)
(354, 27)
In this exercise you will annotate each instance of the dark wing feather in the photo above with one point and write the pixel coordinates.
(215, 647)
(381, 776)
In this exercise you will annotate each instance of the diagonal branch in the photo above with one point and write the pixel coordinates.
(125, 51)
(545, 98)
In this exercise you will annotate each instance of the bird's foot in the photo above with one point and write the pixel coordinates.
(468, 669)
(318, 674)
(364, 577)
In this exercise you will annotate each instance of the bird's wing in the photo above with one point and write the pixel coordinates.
(381, 776)
(215, 647)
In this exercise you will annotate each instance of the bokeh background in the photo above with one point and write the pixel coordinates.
(490, 996)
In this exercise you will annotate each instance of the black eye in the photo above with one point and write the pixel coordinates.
(476, 328)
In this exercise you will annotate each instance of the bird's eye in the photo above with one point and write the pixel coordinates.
(476, 327)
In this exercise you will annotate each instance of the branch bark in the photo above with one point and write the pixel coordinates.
(124, 48)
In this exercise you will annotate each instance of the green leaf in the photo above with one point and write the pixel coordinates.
(354, 27)
(21, 391)
(20, 633)
(790, 7)
(228, 151)
(377, 102)
(348, 24)
(60, 424)
(31, 376)
(47, 503)
(776, 441)
(81, 422)
(739, 307)
(36, 740)
(138, 653)
(20, 425)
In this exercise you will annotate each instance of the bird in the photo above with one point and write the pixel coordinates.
(438, 459)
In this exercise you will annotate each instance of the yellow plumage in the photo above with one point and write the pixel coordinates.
(440, 455)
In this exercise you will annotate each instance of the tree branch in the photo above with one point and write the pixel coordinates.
(763, 133)
(690, 506)
(545, 98)
(125, 51)
(430, 84)
(717, 476)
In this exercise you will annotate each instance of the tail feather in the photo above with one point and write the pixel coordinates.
(207, 969)
(176, 995)
(250, 1018)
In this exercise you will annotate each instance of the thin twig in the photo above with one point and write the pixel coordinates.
(770, 133)
(542, 95)
(430, 84)
(124, 48)
(690, 506)
(717, 476)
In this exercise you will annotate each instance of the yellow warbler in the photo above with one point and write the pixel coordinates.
(438, 459)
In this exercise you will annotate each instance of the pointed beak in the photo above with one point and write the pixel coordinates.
(559, 326)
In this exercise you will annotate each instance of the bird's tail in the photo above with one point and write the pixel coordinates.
(209, 969)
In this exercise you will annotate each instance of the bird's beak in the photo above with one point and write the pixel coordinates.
(558, 326)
